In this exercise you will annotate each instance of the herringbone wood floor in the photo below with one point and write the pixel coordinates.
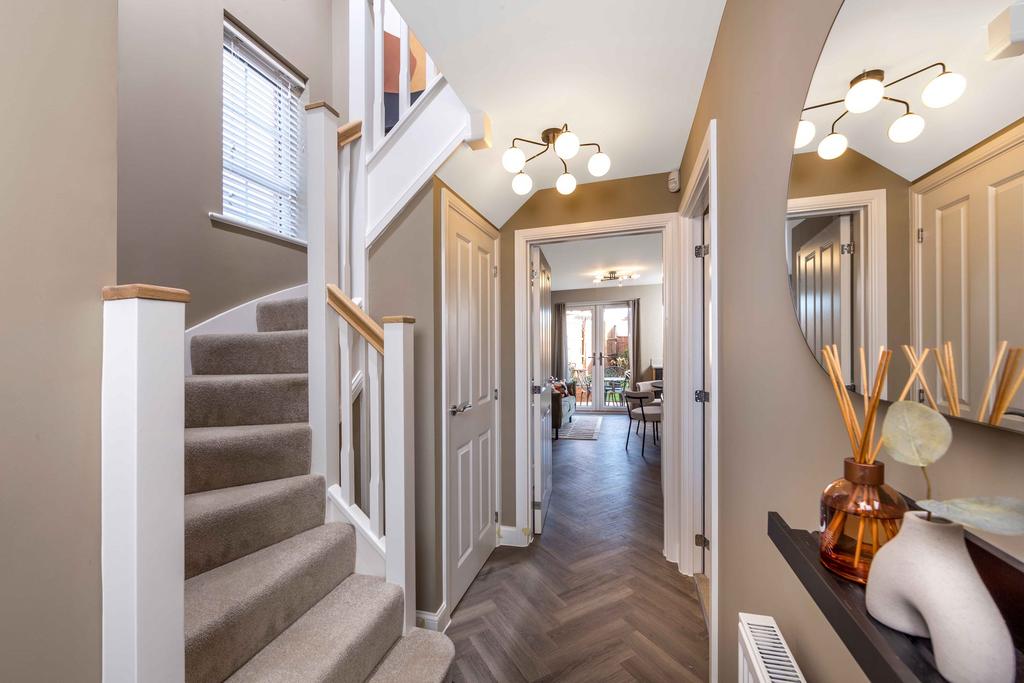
(592, 599)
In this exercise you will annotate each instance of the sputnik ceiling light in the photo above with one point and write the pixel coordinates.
(614, 276)
(566, 145)
(866, 91)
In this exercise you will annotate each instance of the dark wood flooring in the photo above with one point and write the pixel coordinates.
(592, 599)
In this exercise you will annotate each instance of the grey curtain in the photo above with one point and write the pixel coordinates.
(558, 369)
(634, 359)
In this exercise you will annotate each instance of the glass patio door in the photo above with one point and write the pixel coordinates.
(599, 342)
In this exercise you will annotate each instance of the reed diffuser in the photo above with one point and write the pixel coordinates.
(859, 512)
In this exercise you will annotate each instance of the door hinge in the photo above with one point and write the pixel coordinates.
(702, 250)
(920, 235)
(920, 395)
(702, 541)
(535, 389)
(495, 393)
(536, 505)
(495, 271)
(495, 516)
(701, 396)
(848, 248)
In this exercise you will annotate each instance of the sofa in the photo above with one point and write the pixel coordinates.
(563, 407)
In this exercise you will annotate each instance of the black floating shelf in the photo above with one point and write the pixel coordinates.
(883, 654)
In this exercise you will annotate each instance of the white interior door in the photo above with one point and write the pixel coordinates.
(470, 278)
(703, 543)
(540, 317)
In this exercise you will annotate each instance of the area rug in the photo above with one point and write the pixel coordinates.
(582, 427)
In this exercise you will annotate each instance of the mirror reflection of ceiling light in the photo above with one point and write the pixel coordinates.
(866, 91)
(566, 145)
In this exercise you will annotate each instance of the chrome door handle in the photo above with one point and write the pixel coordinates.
(461, 408)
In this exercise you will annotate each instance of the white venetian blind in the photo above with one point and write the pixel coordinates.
(262, 138)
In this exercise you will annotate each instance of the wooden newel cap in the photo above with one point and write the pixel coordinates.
(154, 292)
(318, 105)
(398, 319)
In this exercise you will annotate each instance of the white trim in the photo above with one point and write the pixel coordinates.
(870, 289)
(253, 227)
(434, 621)
(701, 192)
(447, 199)
(415, 186)
(403, 123)
(512, 536)
(664, 223)
(238, 320)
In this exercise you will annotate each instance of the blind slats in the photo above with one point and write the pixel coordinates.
(262, 140)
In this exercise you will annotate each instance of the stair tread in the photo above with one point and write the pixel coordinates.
(220, 457)
(282, 314)
(340, 639)
(421, 655)
(233, 611)
(246, 399)
(224, 524)
(283, 351)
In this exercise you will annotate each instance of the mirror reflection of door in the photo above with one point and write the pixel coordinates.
(598, 350)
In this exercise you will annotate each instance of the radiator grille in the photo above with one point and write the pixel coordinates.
(764, 656)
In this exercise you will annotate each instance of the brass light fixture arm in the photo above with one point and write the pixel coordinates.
(546, 148)
(564, 167)
(903, 102)
(532, 142)
(930, 66)
(837, 120)
(941, 65)
(591, 144)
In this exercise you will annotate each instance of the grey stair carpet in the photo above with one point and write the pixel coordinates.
(270, 593)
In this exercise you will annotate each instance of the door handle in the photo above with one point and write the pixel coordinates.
(461, 408)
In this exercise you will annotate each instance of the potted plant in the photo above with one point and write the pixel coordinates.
(923, 581)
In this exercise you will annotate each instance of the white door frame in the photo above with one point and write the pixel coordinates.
(440, 619)
(870, 295)
(701, 194)
(668, 225)
(595, 305)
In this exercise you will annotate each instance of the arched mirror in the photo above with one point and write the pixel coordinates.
(905, 222)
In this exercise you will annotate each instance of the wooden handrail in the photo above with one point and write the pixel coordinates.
(141, 291)
(350, 132)
(360, 321)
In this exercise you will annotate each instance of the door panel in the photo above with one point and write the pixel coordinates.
(540, 309)
(470, 386)
(824, 287)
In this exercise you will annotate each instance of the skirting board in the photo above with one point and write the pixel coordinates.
(434, 621)
(509, 535)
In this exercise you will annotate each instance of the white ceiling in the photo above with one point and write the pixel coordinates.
(574, 264)
(625, 75)
(901, 37)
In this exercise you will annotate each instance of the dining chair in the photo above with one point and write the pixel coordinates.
(636, 410)
(654, 386)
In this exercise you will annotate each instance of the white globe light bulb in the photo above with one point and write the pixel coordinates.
(805, 131)
(513, 160)
(599, 164)
(906, 128)
(522, 184)
(832, 146)
(864, 95)
(567, 145)
(943, 90)
(566, 183)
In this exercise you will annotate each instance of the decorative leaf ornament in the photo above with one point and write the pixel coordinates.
(995, 514)
(914, 434)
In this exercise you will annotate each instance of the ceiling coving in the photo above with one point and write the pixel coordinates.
(566, 145)
(866, 92)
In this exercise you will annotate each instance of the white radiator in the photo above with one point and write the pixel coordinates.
(764, 656)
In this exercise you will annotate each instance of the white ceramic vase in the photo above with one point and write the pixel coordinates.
(923, 583)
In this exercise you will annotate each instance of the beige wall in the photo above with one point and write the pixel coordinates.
(58, 212)
(652, 316)
(402, 281)
(779, 454)
(622, 198)
(169, 145)
(810, 176)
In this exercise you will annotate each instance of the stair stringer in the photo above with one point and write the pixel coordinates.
(369, 548)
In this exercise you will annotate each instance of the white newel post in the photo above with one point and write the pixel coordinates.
(399, 461)
(322, 258)
(143, 483)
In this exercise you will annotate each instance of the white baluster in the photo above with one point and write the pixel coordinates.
(375, 502)
(399, 463)
(143, 484)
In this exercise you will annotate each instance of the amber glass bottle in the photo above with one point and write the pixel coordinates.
(859, 514)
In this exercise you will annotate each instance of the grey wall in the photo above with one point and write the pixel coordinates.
(58, 212)
(169, 145)
(652, 315)
(622, 198)
(779, 454)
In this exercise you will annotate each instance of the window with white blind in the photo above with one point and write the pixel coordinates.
(262, 138)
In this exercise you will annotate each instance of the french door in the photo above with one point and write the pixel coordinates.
(599, 348)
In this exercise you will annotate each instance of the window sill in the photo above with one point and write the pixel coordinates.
(231, 221)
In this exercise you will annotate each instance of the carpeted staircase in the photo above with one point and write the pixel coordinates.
(270, 590)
